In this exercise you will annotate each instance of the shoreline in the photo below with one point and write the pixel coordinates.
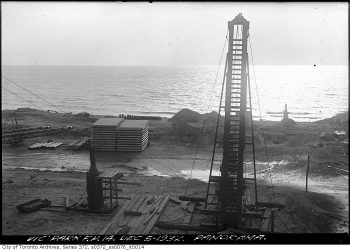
(173, 146)
(171, 114)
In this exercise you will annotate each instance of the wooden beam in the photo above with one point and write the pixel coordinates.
(123, 198)
(116, 219)
(138, 203)
(136, 222)
(155, 218)
(123, 230)
(176, 201)
(191, 198)
(230, 212)
(132, 213)
(132, 203)
(270, 205)
(266, 223)
(129, 183)
(145, 217)
(66, 202)
(118, 189)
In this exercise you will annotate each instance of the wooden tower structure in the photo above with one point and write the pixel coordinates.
(231, 186)
(229, 189)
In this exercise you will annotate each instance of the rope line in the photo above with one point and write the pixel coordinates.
(17, 84)
(262, 125)
(23, 98)
(263, 132)
(40, 108)
(206, 115)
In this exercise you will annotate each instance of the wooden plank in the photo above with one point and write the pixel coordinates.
(116, 218)
(129, 183)
(190, 209)
(66, 202)
(266, 223)
(135, 222)
(270, 205)
(123, 198)
(123, 230)
(132, 213)
(155, 218)
(108, 174)
(189, 198)
(245, 214)
(146, 213)
(138, 203)
(212, 190)
(247, 196)
(176, 201)
(73, 142)
(144, 205)
(132, 203)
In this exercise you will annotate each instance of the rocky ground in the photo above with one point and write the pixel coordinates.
(172, 165)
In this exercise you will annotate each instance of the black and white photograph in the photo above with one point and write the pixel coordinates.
(175, 122)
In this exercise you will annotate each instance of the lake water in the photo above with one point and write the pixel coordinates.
(311, 92)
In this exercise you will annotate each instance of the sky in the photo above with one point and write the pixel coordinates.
(169, 33)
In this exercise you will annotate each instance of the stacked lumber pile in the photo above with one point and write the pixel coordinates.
(104, 134)
(133, 135)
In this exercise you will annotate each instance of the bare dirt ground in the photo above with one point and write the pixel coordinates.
(165, 168)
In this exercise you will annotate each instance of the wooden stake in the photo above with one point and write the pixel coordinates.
(307, 171)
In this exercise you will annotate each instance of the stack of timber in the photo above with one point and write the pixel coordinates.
(138, 216)
(48, 145)
(133, 135)
(104, 134)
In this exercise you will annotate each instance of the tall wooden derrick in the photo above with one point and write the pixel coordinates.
(229, 185)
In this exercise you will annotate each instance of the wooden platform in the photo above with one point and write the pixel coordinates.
(137, 216)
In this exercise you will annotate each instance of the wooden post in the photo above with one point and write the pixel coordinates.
(272, 220)
(116, 189)
(307, 171)
(66, 202)
(110, 194)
